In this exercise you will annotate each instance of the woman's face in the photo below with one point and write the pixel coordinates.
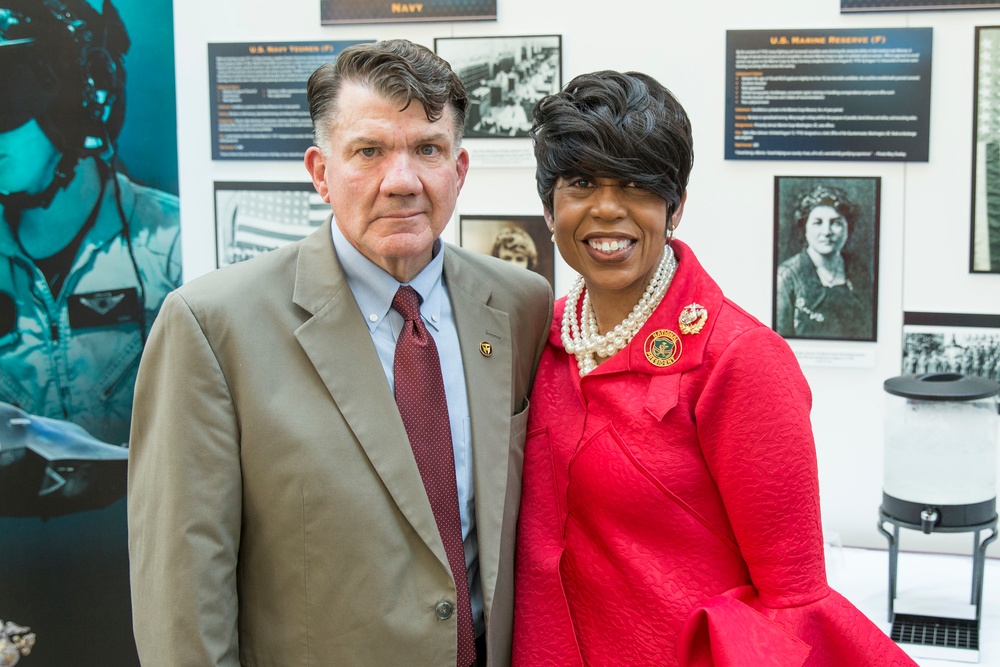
(826, 230)
(611, 232)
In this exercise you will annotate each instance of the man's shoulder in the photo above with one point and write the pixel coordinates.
(243, 283)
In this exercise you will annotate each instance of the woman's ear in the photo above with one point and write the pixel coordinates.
(675, 219)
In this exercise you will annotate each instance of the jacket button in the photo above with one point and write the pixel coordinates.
(443, 610)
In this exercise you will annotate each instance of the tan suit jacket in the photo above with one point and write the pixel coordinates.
(276, 513)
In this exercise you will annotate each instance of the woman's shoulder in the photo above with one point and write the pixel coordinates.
(857, 272)
(796, 263)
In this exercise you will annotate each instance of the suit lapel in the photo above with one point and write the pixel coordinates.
(339, 346)
(488, 379)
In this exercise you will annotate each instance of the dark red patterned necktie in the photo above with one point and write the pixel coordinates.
(424, 409)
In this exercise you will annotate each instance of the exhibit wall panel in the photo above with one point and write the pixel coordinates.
(728, 221)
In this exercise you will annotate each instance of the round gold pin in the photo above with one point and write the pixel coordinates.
(486, 349)
(662, 347)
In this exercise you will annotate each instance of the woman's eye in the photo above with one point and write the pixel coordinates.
(580, 183)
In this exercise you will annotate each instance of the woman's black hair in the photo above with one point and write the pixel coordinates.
(614, 125)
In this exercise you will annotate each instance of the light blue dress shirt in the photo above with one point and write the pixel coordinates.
(374, 290)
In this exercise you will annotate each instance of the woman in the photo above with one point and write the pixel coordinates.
(821, 293)
(670, 509)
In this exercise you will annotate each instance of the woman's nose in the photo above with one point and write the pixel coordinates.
(608, 202)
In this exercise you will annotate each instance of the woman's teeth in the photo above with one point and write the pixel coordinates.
(610, 246)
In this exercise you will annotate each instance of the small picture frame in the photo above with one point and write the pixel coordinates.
(505, 77)
(963, 343)
(254, 218)
(523, 240)
(826, 234)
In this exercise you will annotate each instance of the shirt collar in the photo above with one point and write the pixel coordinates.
(374, 289)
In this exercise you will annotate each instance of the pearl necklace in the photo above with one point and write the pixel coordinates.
(583, 339)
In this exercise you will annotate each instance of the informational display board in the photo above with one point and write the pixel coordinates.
(828, 94)
(258, 97)
(847, 6)
(333, 12)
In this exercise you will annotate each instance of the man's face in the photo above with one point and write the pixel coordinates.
(27, 159)
(391, 177)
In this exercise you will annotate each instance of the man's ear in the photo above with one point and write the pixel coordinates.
(462, 166)
(316, 166)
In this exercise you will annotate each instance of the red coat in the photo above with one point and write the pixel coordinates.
(670, 514)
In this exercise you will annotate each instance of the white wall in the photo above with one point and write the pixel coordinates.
(729, 215)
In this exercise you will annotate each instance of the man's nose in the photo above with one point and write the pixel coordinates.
(401, 176)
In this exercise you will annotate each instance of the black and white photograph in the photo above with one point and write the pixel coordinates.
(826, 257)
(505, 77)
(522, 240)
(984, 254)
(951, 343)
(254, 218)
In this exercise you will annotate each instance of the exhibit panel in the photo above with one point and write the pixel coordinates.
(918, 239)
(924, 208)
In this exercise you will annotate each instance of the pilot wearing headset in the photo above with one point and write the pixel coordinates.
(86, 255)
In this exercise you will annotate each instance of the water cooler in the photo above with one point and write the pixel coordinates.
(940, 476)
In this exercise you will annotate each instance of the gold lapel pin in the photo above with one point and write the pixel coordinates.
(692, 318)
(486, 349)
(662, 348)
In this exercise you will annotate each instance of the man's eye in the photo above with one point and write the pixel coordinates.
(368, 152)
(428, 150)
(580, 183)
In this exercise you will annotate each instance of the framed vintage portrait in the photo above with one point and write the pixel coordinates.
(826, 232)
(505, 77)
(253, 218)
(523, 240)
(984, 251)
(961, 343)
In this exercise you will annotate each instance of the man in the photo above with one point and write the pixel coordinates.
(86, 255)
(278, 508)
